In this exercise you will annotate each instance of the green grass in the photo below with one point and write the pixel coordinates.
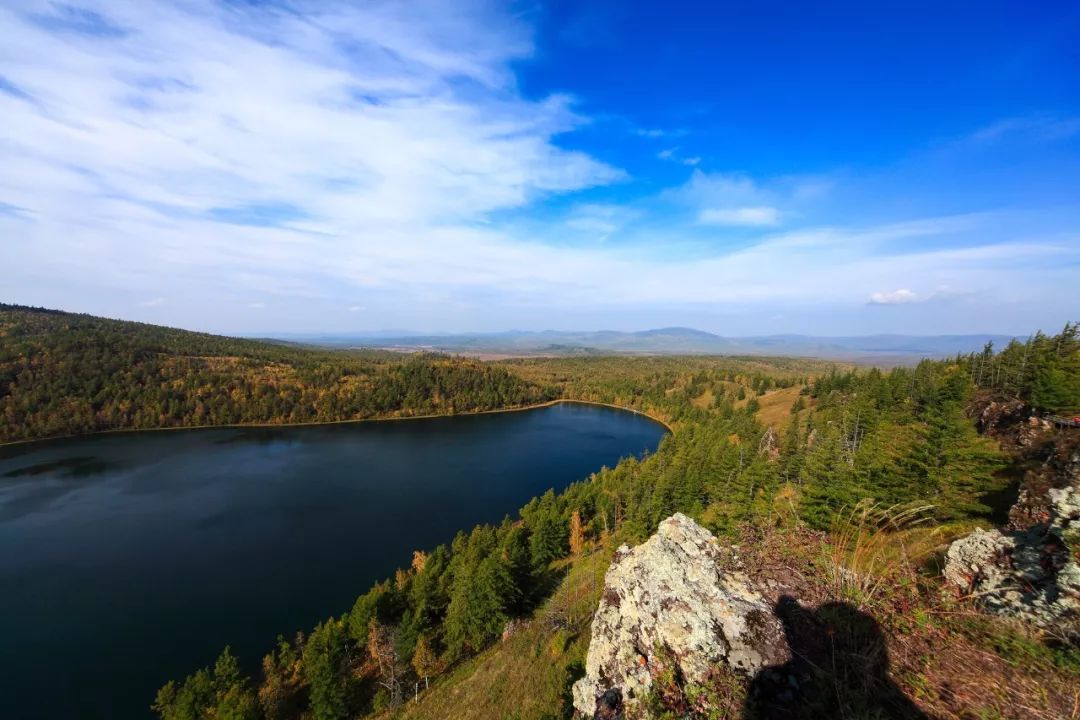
(527, 676)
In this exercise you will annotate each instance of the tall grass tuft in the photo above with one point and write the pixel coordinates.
(875, 547)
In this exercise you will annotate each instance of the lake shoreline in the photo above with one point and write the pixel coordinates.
(178, 544)
(431, 416)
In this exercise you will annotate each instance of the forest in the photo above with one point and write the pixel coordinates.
(756, 442)
(66, 374)
(736, 459)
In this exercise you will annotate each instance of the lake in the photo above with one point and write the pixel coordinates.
(130, 559)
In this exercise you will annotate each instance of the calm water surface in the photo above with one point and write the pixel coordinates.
(127, 560)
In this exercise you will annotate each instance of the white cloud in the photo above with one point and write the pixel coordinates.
(220, 152)
(655, 133)
(705, 190)
(598, 220)
(1038, 127)
(711, 189)
(674, 155)
(257, 305)
(231, 136)
(895, 297)
(749, 216)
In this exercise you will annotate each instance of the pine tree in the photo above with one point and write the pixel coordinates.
(222, 693)
(549, 531)
(1056, 378)
(516, 556)
(325, 670)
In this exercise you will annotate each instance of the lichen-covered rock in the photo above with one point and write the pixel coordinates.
(1031, 574)
(979, 560)
(667, 601)
(769, 445)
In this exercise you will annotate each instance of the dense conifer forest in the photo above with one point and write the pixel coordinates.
(900, 438)
(756, 443)
(67, 374)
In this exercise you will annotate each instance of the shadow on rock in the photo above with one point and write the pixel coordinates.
(839, 669)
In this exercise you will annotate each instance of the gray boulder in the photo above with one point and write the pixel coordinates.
(667, 601)
(1031, 574)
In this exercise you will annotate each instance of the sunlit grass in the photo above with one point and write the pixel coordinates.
(873, 547)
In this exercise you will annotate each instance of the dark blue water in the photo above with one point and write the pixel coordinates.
(127, 560)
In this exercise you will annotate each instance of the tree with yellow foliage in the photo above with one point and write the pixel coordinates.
(577, 533)
(424, 661)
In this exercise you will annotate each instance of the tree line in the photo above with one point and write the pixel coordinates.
(898, 437)
(1043, 371)
(66, 374)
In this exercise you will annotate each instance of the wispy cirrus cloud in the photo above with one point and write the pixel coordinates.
(732, 199)
(344, 163)
(228, 136)
(674, 155)
(1036, 127)
(347, 114)
(750, 216)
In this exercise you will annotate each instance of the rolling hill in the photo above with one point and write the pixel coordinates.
(892, 349)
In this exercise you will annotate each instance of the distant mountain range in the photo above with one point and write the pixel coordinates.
(671, 341)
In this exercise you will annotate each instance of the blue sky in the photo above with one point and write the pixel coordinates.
(745, 168)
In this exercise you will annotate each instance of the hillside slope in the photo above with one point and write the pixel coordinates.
(64, 374)
(492, 624)
(679, 341)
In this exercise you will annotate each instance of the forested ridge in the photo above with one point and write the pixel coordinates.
(845, 436)
(757, 443)
(65, 374)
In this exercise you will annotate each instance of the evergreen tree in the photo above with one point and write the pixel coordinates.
(326, 671)
(548, 531)
(221, 693)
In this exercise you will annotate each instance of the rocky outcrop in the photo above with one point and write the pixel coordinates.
(1032, 574)
(1056, 465)
(769, 446)
(995, 416)
(667, 602)
(1043, 455)
(1028, 569)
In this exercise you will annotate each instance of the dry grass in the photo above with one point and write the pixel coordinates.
(869, 549)
(704, 400)
(953, 662)
(776, 405)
